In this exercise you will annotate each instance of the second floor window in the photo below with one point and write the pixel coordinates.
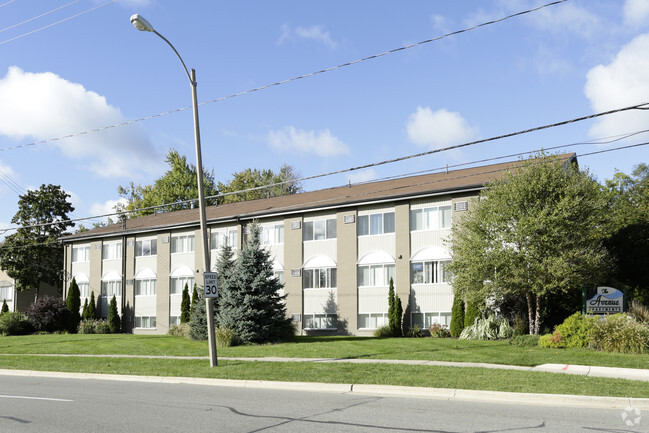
(84, 290)
(433, 272)
(145, 287)
(177, 285)
(319, 230)
(146, 247)
(81, 254)
(376, 224)
(110, 288)
(182, 244)
(111, 251)
(217, 239)
(431, 218)
(273, 235)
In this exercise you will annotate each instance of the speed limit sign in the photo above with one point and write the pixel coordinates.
(210, 285)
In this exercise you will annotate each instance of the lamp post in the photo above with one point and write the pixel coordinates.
(143, 25)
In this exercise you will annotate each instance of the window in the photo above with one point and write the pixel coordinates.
(81, 254)
(111, 288)
(84, 290)
(320, 321)
(145, 321)
(182, 244)
(147, 247)
(424, 320)
(178, 285)
(431, 218)
(273, 235)
(372, 320)
(280, 276)
(429, 272)
(145, 287)
(376, 224)
(174, 321)
(6, 290)
(217, 239)
(319, 230)
(111, 251)
(324, 278)
(375, 275)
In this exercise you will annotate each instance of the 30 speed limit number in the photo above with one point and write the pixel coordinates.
(210, 285)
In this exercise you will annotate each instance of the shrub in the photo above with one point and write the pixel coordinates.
(14, 323)
(395, 311)
(620, 333)
(414, 332)
(91, 313)
(520, 325)
(472, 313)
(198, 321)
(185, 306)
(457, 316)
(181, 330)
(439, 331)
(383, 332)
(491, 328)
(224, 337)
(639, 312)
(93, 326)
(48, 314)
(5, 307)
(114, 322)
(73, 303)
(573, 332)
(525, 340)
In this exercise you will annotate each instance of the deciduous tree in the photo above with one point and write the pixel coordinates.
(284, 183)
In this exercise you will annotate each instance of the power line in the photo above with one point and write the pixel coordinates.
(5, 4)
(57, 22)
(39, 16)
(290, 80)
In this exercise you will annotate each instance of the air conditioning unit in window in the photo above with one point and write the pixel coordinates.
(129, 282)
(97, 246)
(460, 206)
(296, 225)
(349, 219)
(296, 272)
(165, 239)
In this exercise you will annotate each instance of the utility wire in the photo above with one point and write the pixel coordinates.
(39, 16)
(279, 83)
(5, 4)
(57, 22)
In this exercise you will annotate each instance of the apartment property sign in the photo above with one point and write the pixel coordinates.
(606, 300)
(210, 285)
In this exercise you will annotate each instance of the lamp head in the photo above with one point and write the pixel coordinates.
(140, 23)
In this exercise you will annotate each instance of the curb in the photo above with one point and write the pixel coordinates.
(378, 390)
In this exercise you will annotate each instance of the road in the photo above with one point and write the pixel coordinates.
(33, 404)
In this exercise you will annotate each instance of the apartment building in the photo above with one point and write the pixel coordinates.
(334, 249)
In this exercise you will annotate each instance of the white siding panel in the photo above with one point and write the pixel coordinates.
(182, 259)
(433, 238)
(429, 202)
(373, 299)
(438, 297)
(385, 243)
(318, 301)
(174, 304)
(111, 266)
(145, 305)
(81, 268)
(147, 262)
(321, 248)
(276, 253)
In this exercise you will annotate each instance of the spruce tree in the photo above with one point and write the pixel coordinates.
(185, 306)
(114, 321)
(250, 304)
(225, 264)
(5, 307)
(73, 303)
(457, 316)
(84, 312)
(92, 307)
(198, 320)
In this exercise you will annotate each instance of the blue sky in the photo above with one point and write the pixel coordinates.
(84, 66)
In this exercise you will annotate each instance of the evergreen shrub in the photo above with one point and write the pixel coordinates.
(472, 313)
(573, 332)
(114, 321)
(14, 323)
(73, 303)
(185, 306)
(93, 326)
(384, 332)
(457, 316)
(5, 307)
(198, 321)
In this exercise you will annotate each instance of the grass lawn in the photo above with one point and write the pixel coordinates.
(21, 352)
(494, 352)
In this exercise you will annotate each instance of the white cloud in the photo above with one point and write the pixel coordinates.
(43, 106)
(621, 83)
(636, 12)
(321, 143)
(8, 180)
(362, 176)
(437, 129)
(315, 33)
(107, 207)
(440, 24)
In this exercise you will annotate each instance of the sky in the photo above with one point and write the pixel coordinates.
(69, 67)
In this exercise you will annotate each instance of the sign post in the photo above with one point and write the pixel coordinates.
(210, 292)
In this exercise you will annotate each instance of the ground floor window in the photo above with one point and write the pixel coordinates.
(111, 288)
(174, 321)
(6, 290)
(320, 321)
(178, 285)
(424, 320)
(145, 321)
(84, 290)
(372, 320)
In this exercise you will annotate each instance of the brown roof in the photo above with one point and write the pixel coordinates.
(388, 190)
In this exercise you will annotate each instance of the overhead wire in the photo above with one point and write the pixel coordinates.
(39, 16)
(5, 4)
(290, 80)
(57, 22)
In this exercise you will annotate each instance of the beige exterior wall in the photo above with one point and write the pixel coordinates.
(347, 286)
(402, 256)
(293, 260)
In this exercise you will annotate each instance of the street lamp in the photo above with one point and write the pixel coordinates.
(143, 25)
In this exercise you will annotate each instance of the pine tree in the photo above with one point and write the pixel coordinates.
(114, 320)
(185, 306)
(250, 304)
(73, 303)
(5, 307)
(84, 312)
(92, 307)
(457, 316)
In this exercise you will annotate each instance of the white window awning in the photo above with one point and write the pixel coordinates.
(182, 271)
(319, 262)
(111, 276)
(376, 258)
(81, 278)
(145, 274)
(431, 253)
